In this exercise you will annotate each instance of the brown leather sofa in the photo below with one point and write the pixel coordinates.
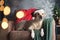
(11, 34)
(17, 35)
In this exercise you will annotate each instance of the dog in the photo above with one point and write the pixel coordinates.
(35, 24)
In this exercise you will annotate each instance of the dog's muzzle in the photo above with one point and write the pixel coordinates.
(38, 15)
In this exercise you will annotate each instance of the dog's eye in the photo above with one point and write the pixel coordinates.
(37, 13)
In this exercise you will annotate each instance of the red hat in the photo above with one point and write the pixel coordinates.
(27, 15)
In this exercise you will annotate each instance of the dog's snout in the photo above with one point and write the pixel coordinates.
(38, 15)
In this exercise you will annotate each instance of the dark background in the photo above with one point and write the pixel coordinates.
(20, 4)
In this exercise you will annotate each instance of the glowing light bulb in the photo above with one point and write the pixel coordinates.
(4, 23)
(7, 10)
(5, 20)
(20, 14)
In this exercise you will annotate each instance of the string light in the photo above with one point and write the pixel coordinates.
(7, 10)
(1, 5)
(4, 23)
(20, 14)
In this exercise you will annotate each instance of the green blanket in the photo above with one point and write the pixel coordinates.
(47, 26)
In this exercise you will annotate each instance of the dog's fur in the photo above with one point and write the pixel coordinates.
(34, 24)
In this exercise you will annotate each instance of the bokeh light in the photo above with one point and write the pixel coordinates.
(4, 23)
(7, 10)
(20, 14)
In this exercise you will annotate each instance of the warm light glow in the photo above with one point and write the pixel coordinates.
(20, 14)
(1, 5)
(5, 20)
(4, 23)
(7, 10)
(1, 8)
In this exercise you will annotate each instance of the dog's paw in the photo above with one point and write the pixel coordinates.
(42, 32)
(32, 34)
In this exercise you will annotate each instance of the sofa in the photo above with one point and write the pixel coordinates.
(19, 35)
(11, 34)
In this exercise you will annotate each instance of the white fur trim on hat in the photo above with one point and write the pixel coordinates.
(40, 11)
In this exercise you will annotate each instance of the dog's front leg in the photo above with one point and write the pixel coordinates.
(32, 33)
(42, 32)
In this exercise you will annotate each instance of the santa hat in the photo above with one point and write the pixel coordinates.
(27, 15)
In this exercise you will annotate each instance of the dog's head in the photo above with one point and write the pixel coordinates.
(39, 14)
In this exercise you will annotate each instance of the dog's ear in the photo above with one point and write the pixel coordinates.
(33, 14)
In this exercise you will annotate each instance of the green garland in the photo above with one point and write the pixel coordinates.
(56, 11)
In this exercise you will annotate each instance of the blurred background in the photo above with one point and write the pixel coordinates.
(52, 7)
